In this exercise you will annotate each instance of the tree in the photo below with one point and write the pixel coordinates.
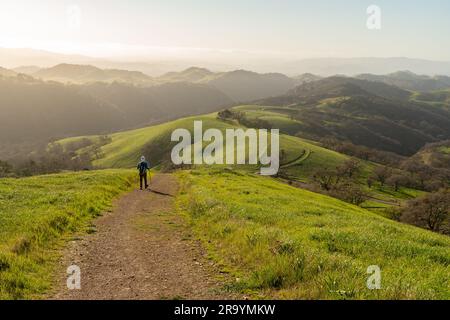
(5, 169)
(326, 178)
(396, 181)
(431, 211)
(381, 173)
(418, 170)
(349, 192)
(370, 182)
(349, 168)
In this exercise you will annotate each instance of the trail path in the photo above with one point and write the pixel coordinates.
(141, 249)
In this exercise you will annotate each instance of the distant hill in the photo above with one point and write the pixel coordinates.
(440, 98)
(305, 78)
(244, 85)
(192, 74)
(87, 73)
(343, 86)
(32, 110)
(239, 85)
(410, 81)
(435, 154)
(27, 69)
(7, 73)
(366, 113)
(355, 66)
(125, 147)
(144, 105)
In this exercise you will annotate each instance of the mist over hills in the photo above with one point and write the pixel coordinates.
(87, 73)
(397, 112)
(155, 67)
(410, 81)
(355, 66)
(34, 110)
(239, 85)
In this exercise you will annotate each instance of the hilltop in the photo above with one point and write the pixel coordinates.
(239, 85)
(86, 73)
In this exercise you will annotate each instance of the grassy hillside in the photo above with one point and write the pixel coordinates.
(440, 99)
(283, 242)
(36, 213)
(300, 158)
(435, 154)
(126, 147)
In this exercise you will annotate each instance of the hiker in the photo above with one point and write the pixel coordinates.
(143, 167)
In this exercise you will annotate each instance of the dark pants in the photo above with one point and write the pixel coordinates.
(143, 178)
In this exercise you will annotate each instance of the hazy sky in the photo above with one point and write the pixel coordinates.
(264, 28)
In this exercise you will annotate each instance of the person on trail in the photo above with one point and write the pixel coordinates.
(143, 167)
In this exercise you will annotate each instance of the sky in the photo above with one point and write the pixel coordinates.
(266, 29)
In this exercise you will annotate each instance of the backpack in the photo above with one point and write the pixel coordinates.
(142, 166)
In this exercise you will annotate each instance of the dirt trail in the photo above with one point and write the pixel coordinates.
(141, 250)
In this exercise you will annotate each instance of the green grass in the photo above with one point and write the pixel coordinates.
(277, 117)
(126, 147)
(445, 150)
(283, 242)
(37, 213)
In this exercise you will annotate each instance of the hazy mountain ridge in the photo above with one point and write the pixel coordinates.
(35, 110)
(7, 73)
(86, 73)
(410, 81)
(240, 85)
(11, 58)
(355, 66)
(362, 111)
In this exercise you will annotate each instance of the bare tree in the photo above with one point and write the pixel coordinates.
(349, 168)
(381, 174)
(431, 211)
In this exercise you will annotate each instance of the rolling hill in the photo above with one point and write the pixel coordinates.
(278, 240)
(410, 81)
(7, 73)
(33, 110)
(435, 154)
(81, 74)
(366, 113)
(239, 85)
(288, 243)
(125, 148)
